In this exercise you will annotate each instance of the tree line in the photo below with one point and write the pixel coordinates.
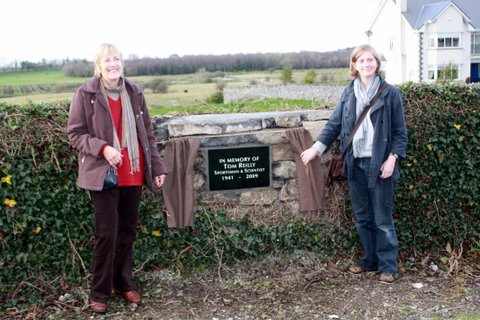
(188, 64)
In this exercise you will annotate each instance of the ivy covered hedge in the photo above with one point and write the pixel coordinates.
(46, 222)
(439, 193)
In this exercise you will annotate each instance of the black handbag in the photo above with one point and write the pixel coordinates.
(111, 178)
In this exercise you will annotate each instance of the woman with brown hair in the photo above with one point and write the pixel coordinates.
(371, 156)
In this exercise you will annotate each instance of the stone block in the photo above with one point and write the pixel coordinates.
(284, 170)
(314, 127)
(258, 197)
(289, 191)
(281, 152)
(272, 137)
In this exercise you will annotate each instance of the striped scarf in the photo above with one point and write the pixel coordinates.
(129, 129)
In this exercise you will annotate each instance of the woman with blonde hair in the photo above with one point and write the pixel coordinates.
(371, 154)
(110, 126)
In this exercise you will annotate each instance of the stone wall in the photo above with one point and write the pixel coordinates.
(326, 93)
(273, 203)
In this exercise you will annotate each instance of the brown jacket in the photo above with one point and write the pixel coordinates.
(89, 128)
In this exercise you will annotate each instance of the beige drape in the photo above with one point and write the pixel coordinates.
(179, 157)
(311, 177)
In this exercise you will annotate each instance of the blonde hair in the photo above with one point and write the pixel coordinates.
(103, 50)
(357, 52)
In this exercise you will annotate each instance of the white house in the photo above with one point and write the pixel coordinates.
(419, 40)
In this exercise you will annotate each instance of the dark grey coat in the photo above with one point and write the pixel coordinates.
(390, 132)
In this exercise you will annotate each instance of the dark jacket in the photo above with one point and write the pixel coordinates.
(90, 127)
(390, 132)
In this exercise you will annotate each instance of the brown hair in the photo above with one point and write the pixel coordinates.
(103, 50)
(357, 52)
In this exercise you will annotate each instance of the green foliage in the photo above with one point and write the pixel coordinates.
(215, 237)
(49, 217)
(438, 196)
(286, 75)
(157, 85)
(310, 77)
(216, 97)
(447, 74)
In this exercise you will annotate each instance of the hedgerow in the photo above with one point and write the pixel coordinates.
(438, 196)
(46, 222)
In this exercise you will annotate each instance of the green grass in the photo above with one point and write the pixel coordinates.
(264, 105)
(36, 77)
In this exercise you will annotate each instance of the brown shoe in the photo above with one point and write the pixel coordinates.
(132, 296)
(359, 270)
(386, 278)
(98, 307)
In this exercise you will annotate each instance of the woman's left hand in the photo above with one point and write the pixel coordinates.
(387, 167)
(159, 180)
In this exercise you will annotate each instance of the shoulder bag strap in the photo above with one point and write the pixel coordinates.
(362, 116)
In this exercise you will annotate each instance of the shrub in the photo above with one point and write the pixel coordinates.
(438, 195)
(45, 230)
(203, 76)
(216, 97)
(286, 75)
(157, 85)
(310, 77)
(78, 68)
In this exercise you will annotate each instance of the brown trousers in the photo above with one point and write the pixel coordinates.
(116, 217)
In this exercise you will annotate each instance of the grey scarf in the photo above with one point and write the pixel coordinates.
(129, 129)
(363, 139)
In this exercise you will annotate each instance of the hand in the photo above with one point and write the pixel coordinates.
(387, 167)
(159, 180)
(308, 155)
(113, 157)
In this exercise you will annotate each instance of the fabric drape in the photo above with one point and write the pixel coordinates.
(180, 155)
(311, 177)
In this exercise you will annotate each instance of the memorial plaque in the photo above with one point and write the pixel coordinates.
(239, 168)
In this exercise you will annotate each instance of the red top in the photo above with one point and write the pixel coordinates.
(125, 177)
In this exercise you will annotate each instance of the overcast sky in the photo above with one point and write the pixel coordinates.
(33, 30)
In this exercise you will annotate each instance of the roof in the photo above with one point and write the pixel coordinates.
(421, 11)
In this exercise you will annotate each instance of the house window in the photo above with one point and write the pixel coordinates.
(444, 72)
(445, 40)
(476, 43)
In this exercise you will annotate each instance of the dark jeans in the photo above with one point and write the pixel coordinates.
(373, 209)
(116, 217)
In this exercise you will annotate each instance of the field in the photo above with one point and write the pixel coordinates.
(186, 93)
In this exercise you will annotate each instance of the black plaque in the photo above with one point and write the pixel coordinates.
(239, 168)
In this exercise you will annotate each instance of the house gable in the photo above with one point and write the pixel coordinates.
(419, 38)
(420, 11)
(430, 13)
